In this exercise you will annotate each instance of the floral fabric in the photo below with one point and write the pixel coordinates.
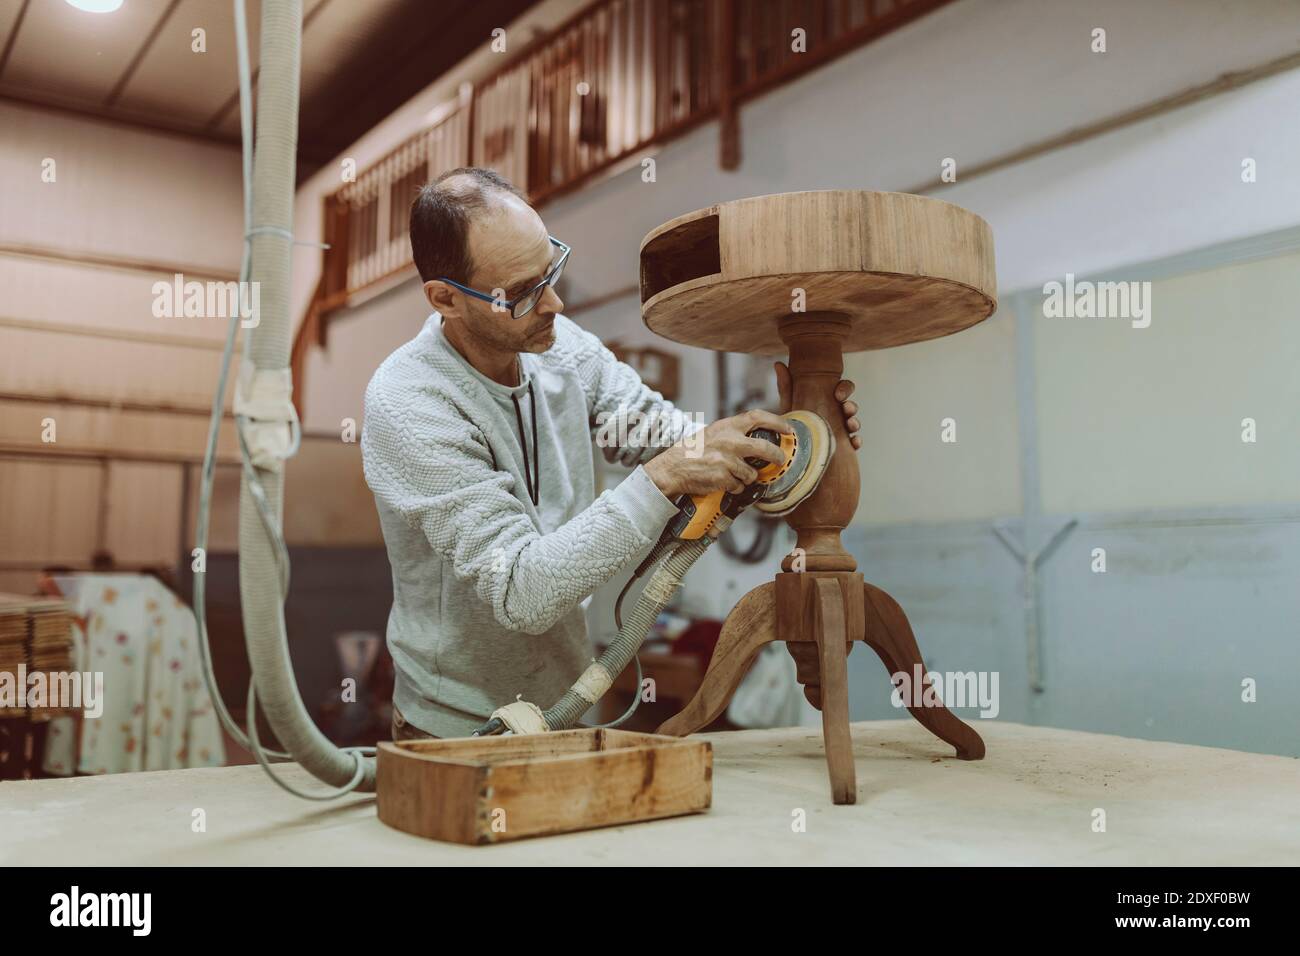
(157, 714)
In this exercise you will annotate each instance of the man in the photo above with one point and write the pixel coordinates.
(477, 444)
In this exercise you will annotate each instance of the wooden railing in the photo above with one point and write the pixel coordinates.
(366, 220)
(621, 76)
(767, 54)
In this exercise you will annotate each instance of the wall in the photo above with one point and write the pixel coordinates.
(79, 343)
(128, 392)
(1138, 418)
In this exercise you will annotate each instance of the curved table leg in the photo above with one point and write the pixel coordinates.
(808, 669)
(830, 630)
(750, 625)
(890, 635)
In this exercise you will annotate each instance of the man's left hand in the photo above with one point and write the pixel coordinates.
(842, 392)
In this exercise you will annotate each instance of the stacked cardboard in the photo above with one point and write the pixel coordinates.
(35, 633)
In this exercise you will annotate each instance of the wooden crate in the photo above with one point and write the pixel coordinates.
(492, 789)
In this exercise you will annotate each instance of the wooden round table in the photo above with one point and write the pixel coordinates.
(814, 275)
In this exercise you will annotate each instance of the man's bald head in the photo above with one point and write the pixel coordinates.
(441, 217)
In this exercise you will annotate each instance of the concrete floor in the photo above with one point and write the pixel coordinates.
(1031, 801)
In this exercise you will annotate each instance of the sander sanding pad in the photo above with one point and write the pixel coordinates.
(814, 445)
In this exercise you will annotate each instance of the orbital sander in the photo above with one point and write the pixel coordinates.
(700, 519)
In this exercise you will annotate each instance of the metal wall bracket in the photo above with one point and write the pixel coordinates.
(1030, 559)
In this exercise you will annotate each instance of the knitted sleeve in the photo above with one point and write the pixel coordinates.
(631, 423)
(427, 462)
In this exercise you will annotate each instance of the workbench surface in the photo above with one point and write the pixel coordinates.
(1031, 801)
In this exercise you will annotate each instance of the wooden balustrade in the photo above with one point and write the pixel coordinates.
(616, 79)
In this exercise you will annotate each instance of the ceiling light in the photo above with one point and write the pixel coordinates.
(96, 6)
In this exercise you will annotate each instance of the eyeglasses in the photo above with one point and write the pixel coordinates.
(521, 306)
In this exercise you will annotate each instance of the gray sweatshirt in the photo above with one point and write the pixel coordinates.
(487, 587)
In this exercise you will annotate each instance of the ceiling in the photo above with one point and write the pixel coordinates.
(361, 59)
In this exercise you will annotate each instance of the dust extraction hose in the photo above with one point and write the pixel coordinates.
(262, 561)
(601, 673)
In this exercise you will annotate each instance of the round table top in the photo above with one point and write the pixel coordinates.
(902, 268)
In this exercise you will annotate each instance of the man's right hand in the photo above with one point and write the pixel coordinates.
(714, 457)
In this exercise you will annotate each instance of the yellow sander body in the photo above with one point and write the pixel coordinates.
(778, 489)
